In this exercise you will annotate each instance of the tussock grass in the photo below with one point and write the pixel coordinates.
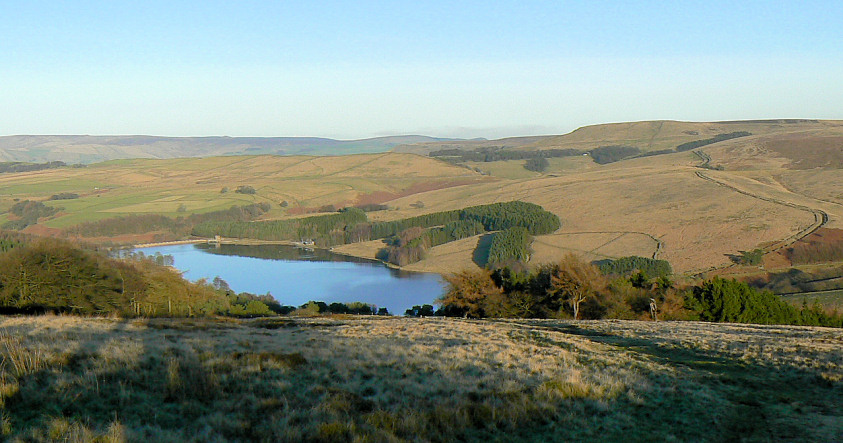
(396, 379)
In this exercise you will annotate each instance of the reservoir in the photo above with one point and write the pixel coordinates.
(295, 276)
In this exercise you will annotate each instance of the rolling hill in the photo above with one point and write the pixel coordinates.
(91, 149)
(697, 208)
(646, 135)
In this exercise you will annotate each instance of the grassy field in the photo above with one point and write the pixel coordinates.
(163, 186)
(397, 379)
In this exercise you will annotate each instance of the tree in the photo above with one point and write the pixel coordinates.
(574, 281)
(639, 280)
(468, 291)
(537, 164)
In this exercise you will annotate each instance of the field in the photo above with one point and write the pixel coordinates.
(396, 379)
(665, 206)
(164, 186)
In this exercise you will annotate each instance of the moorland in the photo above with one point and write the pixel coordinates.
(400, 379)
(536, 232)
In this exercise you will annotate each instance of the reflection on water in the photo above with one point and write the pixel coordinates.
(295, 276)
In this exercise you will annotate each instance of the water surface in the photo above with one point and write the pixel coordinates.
(295, 276)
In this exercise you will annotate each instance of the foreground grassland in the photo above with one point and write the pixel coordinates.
(397, 379)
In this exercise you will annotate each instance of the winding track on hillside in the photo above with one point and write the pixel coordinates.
(820, 216)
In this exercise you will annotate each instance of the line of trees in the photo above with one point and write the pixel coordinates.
(64, 196)
(708, 141)
(610, 154)
(343, 227)
(53, 275)
(720, 300)
(625, 266)
(176, 226)
(573, 288)
(517, 220)
(498, 154)
(351, 225)
(411, 244)
(11, 167)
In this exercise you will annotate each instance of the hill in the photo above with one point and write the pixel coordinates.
(400, 379)
(91, 149)
(698, 209)
(291, 184)
(646, 135)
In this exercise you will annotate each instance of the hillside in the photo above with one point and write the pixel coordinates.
(646, 135)
(401, 379)
(91, 149)
(183, 186)
(698, 209)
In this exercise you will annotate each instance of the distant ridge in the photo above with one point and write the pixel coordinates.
(95, 148)
(645, 135)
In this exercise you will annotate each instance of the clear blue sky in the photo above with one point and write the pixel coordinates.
(445, 68)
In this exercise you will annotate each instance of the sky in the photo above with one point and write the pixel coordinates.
(357, 69)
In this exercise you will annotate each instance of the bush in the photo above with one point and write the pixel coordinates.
(245, 189)
(539, 164)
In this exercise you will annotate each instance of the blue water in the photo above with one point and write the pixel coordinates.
(295, 276)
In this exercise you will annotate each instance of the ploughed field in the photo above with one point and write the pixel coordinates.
(402, 379)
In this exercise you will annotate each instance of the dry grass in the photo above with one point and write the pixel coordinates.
(161, 186)
(395, 379)
(699, 223)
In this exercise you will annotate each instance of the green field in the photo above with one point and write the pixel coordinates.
(122, 187)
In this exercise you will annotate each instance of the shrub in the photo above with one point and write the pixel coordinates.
(538, 164)
(64, 196)
(245, 189)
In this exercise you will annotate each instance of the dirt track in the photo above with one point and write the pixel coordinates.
(820, 216)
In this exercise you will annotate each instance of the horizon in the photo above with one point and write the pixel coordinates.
(369, 69)
(750, 120)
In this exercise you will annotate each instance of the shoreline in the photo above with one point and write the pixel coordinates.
(253, 242)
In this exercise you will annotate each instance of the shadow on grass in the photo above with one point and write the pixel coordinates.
(481, 252)
(747, 400)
